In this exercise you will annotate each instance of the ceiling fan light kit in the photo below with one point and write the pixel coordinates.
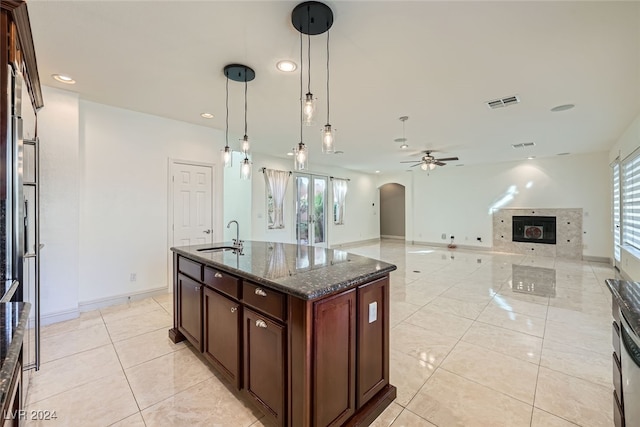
(428, 162)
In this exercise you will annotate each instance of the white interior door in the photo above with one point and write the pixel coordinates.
(192, 204)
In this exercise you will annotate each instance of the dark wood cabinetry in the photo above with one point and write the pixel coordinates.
(319, 362)
(335, 356)
(264, 364)
(221, 344)
(189, 295)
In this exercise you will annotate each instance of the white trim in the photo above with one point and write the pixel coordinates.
(603, 259)
(385, 236)
(356, 243)
(445, 245)
(121, 299)
(59, 316)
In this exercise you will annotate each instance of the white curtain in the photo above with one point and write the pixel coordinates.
(339, 195)
(276, 182)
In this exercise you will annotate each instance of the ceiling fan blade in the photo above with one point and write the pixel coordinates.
(439, 163)
(413, 166)
(447, 159)
(410, 161)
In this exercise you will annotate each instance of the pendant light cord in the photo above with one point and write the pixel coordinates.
(301, 101)
(309, 48)
(327, 76)
(226, 136)
(245, 103)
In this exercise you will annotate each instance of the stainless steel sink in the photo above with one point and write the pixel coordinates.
(217, 249)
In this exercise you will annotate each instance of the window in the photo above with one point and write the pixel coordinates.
(631, 201)
(616, 210)
(339, 196)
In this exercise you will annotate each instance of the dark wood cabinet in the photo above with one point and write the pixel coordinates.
(189, 313)
(264, 364)
(373, 339)
(222, 322)
(335, 357)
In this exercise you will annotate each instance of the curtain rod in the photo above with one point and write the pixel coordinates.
(344, 179)
(264, 169)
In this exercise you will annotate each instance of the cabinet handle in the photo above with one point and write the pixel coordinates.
(261, 292)
(261, 323)
(234, 309)
(218, 275)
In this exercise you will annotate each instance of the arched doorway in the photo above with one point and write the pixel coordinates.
(392, 211)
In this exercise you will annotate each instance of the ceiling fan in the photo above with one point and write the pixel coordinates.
(428, 162)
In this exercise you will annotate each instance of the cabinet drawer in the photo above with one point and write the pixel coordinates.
(222, 282)
(190, 268)
(615, 339)
(618, 413)
(264, 299)
(617, 376)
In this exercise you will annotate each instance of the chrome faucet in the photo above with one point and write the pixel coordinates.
(236, 242)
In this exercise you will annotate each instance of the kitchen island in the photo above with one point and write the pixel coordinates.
(302, 331)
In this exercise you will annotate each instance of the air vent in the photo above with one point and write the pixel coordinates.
(523, 145)
(503, 102)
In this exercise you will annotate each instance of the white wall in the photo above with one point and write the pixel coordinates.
(457, 200)
(59, 201)
(104, 197)
(237, 200)
(361, 217)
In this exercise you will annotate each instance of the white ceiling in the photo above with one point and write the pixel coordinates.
(436, 62)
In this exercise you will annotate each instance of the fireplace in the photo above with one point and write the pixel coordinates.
(534, 229)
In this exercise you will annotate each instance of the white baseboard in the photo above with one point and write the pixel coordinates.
(357, 243)
(386, 236)
(121, 299)
(59, 316)
(445, 245)
(604, 259)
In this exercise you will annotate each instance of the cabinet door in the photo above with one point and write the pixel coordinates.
(190, 310)
(373, 339)
(264, 364)
(221, 345)
(334, 331)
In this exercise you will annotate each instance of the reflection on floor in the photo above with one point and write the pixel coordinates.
(477, 339)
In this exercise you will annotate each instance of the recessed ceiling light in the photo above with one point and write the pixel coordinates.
(206, 115)
(563, 154)
(286, 66)
(62, 78)
(377, 171)
(289, 153)
(531, 157)
(564, 107)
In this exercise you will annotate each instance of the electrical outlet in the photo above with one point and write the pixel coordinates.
(133, 277)
(444, 236)
(479, 239)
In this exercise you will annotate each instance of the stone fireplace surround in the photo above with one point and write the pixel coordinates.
(568, 233)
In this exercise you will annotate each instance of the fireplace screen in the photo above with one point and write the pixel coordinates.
(534, 229)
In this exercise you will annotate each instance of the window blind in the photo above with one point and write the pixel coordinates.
(616, 210)
(631, 201)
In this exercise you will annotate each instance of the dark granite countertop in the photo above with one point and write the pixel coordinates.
(627, 296)
(305, 272)
(13, 321)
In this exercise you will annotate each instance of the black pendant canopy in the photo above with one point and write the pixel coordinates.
(312, 17)
(239, 73)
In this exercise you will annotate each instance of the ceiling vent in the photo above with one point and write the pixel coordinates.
(523, 145)
(503, 102)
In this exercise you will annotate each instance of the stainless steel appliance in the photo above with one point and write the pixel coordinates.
(630, 362)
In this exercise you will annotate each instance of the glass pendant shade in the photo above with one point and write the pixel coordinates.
(245, 169)
(308, 110)
(424, 166)
(300, 158)
(432, 166)
(226, 157)
(245, 144)
(328, 139)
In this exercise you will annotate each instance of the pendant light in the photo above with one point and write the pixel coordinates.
(403, 140)
(241, 73)
(300, 152)
(226, 152)
(313, 18)
(328, 134)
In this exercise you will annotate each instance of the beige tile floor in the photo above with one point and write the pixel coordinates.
(470, 346)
